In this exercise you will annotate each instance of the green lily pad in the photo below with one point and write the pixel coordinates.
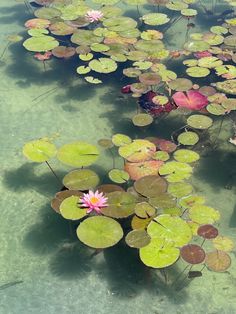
(37, 32)
(85, 37)
(158, 254)
(204, 214)
(99, 232)
(230, 41)
(179, 189)
(103, 65)
(219, 30)
(138, 150)
(47, 13)
(162, 201)
(176, 5)
(82, 179)
(142, 119)
(118, 176)
(110, 11)
(229, 104)
(40, 44)
(70, 209)
(151, 186)
(99, 47)
(61, 29)
(78, 154)
(137, 239)
(136, 55)
(188, 138)
(83, 69)
(86, 57)
(171, 229)
(227, 87)
(60, 196)
(92, 80)
(216, 109)
(186, 155)
(121, 139)
(131, 72)
(120, 205)
(161, 155)
(149, 46)
(142, 65)
(199, 121)
(189, 12)
(197, 71)
(213, 39)
(120, 23)
(209, 62)
(190, 62)
(175, 167)
(39, 150)
(138, 170)
(144, 210)
(191, 200)
(105, 143)
(155, 19)
(223, 243)
(195, 46)
(180, 84)
(149, 78)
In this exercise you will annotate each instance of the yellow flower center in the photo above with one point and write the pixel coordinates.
(93, 200)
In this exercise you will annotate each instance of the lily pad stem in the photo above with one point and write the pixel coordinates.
(47, 163)
(179, 275)
(4, 50)
(113, 157)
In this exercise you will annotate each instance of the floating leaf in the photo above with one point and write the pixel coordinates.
(131, 72)
(105, 143)
(78, 154)
(86, 57)
(108, 188)
(120, 205)
(40, 44)
(191, 200)
(207, 231)
(186, 155)
(223, 243)
(227, 86)
(121, 139)
(197, 46)
(189, 12)
(63, 52)
(180, 84)
(161, 155)
(120, 23)
(82, 179)
(171, 229)
(99, 232)
(118, 176)
(216, 109)
(192, 254)
(144, 210)
(61, 29)
(39, 150)
(158, 254)
(70, 209)
(180, 189)
(209, 62)
(197, 71)
(85, 37)
(138, 170)
(137, 239)
(151, 185)
(92, 80)
(149, 78)
(83, 69)
(198, 121)
(140, 223)
(138, 150)
(204, 214)
(163, 201)
(219, 30)
(103, 65)
(60, 196)
(155, 19)
(188, 138)
(218, 261)
(142, 119)
(191, 99)
(47, 13)
(37, 23)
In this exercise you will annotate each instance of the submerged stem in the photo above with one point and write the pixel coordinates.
(4, 50)
(47, 163)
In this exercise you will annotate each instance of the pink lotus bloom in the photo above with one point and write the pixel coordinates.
(192, 100)
(93, 201)
(94, 15)
(43, 56)
(202, 54)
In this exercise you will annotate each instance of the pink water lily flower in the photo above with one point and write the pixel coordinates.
(191, 99)
(43, 56)
(93, 201)
(202, 54)
(94, 15)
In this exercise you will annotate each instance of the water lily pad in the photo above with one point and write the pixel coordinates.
(99, 47)
(137, 239)
(149, 46)
(219, 30)
(213, 39)
(209, 62)
(149, 78)
(140, 223)
(83, 69)
(158, 254)
(218, 261)
(78, 154)
(197, 71)
(192, 254)
(138, 170)
(151, 34)
(162, 201)
(180, 84)
(105, 143)
(198, 121)
(70, 209)
(179, 189)
(176, 5)
(227, 86)
(207, 231)
(120, 205)
(188, 138)
(63, 52)
(175, 167)
(92, 80)
(155, 19)
(37, 23)
(207, 90)
(172, 229)
(197, 46)
(189, 12)
(99, 232)
(39, 150)
(120, 23)
(139, 88)
(47, 13)
(216, 109)
(138, 150)
(229, 104)
(85, 37)
(103, 65)
(191, 99)
(37, 32)
(108, 188)
(40, 44)
(60, 196)
(161, 155)
(204, 214)
(82, 179)
(118, 176)
(186, 155)
(223, 243)
(131, 72)
(191, 200)
(230, 41)
(142, 119)
(144, 210)
(61, 29)
(151, 186)
(121, 139)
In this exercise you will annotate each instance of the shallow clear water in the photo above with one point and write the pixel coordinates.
(37, 246)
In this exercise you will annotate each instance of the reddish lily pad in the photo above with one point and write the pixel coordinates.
(151, 186)
(207, 231)
(192, 254)
(138, 170)
(137, 151)
(193, 100)
(218, 261)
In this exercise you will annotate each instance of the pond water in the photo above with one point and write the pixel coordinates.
(43, 267)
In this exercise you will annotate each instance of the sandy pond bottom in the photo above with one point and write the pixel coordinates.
(37, 248)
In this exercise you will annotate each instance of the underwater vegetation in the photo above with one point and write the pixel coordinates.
(149, 204)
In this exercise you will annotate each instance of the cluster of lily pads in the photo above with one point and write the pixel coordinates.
(149, 205)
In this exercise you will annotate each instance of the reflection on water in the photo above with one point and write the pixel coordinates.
(43, 268)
